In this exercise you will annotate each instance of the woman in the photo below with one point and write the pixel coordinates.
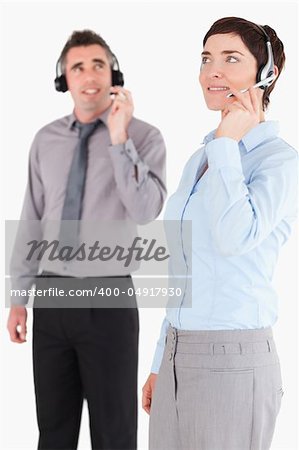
(216, 382)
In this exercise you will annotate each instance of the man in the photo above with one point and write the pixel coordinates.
(88, 352)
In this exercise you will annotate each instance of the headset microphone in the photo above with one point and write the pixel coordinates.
(266, 82)
(117, 77)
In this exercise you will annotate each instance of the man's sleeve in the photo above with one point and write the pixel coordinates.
(22, 270)
(140, 175)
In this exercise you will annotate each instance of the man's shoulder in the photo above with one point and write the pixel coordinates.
(56, 126)
(142, 127)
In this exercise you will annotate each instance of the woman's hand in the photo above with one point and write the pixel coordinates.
(147, 392)
(240, 116)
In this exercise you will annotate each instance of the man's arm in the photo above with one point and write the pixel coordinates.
(23, 272)
(139, 172)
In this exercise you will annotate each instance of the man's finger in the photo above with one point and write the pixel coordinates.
(22, 328)
(121, 94)
(116, 105)
(13, 334)
(117, 89)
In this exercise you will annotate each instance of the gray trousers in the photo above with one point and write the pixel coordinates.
(216, 390)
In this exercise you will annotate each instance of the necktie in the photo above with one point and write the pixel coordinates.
(72, 207)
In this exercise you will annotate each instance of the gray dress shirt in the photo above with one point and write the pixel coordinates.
(123, 183)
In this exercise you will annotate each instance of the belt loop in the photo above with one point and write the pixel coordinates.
(269, 345)
(241, 348)
(175, 338)
(172, 343)
(212, 348)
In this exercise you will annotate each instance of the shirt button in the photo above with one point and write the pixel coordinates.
(170, 356)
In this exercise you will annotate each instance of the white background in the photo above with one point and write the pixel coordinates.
(158, 45)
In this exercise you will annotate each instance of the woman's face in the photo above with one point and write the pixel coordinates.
(226, 62)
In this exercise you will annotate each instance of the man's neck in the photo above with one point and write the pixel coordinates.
(89, 116)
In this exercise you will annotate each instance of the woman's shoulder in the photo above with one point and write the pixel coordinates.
(279, 150)
(195, 157)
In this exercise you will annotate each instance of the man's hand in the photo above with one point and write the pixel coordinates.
(147, 392)
(16, 324)
(241, 115)
(120, 115)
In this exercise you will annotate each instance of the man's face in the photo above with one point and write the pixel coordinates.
(88, 75)
(226, 61)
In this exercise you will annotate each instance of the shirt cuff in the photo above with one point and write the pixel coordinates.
(19, 301)
(157, 359)
(19, 290)
(127, 149)
(223, 152)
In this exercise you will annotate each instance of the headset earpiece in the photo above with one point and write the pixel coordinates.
(60, 80)
(266, 71)
(61, 84)
(117, 78)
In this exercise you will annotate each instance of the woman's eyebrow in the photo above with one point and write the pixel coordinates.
(224, 52)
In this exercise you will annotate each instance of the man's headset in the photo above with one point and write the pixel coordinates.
(60, 82)
(265, 74)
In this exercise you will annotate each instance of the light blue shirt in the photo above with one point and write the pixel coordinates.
(241, 211)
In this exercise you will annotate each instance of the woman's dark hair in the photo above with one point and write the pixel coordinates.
(84, 38)
(255, 41)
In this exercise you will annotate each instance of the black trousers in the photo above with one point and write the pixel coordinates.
(90, 353)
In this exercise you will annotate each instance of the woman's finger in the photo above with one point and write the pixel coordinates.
(236, 105)
(255, 101)
(243, 98)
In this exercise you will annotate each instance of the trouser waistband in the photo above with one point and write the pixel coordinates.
(215, 342)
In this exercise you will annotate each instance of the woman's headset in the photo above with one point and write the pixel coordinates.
(266, 71)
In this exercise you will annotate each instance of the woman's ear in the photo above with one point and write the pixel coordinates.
(276, 71)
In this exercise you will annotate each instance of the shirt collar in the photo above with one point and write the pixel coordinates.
(103, 117)
(256, 136)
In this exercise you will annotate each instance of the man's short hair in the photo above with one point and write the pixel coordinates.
(85, 38)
